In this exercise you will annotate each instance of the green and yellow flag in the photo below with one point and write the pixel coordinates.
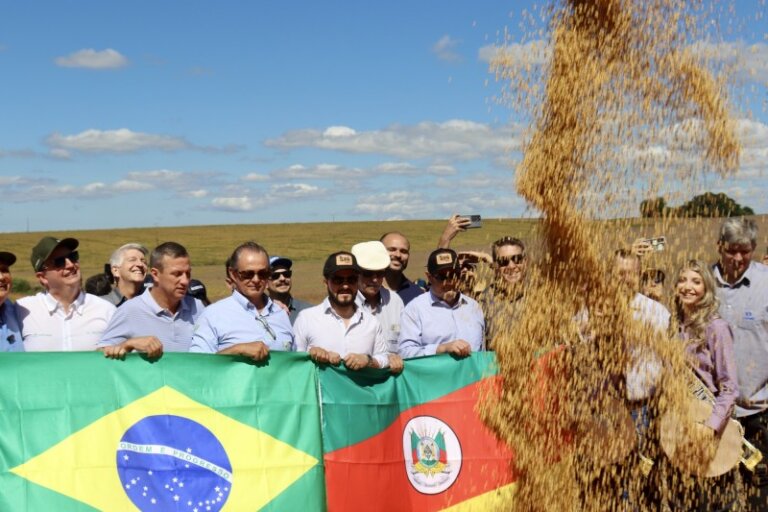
(188, 432)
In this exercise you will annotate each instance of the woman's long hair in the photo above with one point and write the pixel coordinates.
(705, 310)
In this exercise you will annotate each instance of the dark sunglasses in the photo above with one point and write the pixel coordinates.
(338, 280)
(450, 276)
(277, 275)
(516, 259)
(247, 275)
(61, 261)
(372, 273)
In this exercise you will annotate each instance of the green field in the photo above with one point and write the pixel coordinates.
(308, 244)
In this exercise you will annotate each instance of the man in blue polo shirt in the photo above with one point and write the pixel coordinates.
(162, 319)
(10, 329)
(442, 320)
(247, 323)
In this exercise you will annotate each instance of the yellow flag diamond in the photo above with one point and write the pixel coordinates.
(84, 465)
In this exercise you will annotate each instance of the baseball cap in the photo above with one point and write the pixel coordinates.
(441, 259)
(340, 261)
(371, 255)
(8, 258)
(197, 290)
(46, 246)
(280, 262)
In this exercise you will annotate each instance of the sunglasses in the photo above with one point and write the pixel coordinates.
(450, 276)
(516, 259)
(338, 280)
(372, 273)
(61, 261)
(655, 276)
(247, 275)
(277, 275)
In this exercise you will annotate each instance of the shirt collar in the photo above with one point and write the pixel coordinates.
(744, 280)
(269, 305)
(52, 304)
(435, 300)
(328, 310)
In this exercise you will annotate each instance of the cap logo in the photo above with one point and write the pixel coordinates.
(444, 258)
(343, 259)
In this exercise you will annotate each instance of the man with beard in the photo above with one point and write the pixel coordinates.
(399, 252)
(372, 297)
(10, 331)
(280, 284)
(247, 323)
(502, 301)
(337, 330)
(443, 320)
(63, 317)
(742, 288)
(129, 268)
(163, 318)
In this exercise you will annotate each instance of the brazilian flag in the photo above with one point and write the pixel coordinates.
(414, 441)
(187, 432)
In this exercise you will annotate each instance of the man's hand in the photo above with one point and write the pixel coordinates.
(150, 345)
(458, 348)
(641, 247)
(320, 355)
(357, 361)
(456, 224)
(256, 350)
(396, 363)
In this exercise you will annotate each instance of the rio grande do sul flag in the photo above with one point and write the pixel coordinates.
(185, 433)
(414, 441)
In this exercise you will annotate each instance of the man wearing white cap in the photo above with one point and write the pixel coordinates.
(279, 286)
(63, 317)
(373, 260)
(10, 331)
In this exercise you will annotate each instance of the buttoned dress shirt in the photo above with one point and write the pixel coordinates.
(236, 320)
(644, 367)
(744, 305)
(10, 329)
(387, 312)
(143, 316)
(428, 322)
(320, 326)
(45, 326)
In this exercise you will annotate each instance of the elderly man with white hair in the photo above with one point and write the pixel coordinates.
(129, 268)
(373, 260)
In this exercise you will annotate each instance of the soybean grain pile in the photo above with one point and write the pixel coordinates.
(621, 73)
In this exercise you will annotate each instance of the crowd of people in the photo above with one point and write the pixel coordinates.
(375, 317)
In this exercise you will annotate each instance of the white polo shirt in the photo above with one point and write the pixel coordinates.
(46, 327)
(320, 326)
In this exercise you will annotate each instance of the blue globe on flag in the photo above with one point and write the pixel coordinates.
(169, 462)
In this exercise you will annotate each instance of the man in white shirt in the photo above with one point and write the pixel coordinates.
(337, 330)
(63, 317)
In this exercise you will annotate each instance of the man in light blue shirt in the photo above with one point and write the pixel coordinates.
(443, 320)
(10, 329)
(161, 319)
(246, 323)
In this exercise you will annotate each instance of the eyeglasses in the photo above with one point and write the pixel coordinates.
(450, 276)
(61, 261)
(338, 280)
(277, 275)
(247, 275)
(516, 259)
(373, 273)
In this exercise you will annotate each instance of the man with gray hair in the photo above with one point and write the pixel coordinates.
(129, 268)
(742, 288)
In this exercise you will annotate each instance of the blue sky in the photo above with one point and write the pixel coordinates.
(175, 113)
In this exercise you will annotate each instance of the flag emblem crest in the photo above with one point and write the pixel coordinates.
(432, 454)
(169, 462)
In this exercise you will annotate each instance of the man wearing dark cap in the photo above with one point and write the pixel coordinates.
(279, 286)
(10, 330)
(442, 320)
(198, 291)
(63, 317)
(337, 330)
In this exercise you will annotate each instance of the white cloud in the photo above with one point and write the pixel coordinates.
(255, 176)
(533, 53)
(91, 59)
(294, 191)
(456, 138)
(162, 176)
(445, 49)
(748, 63)
(398, 204)
(131, 186)
(197, 194)
(237, 204)
(319, 171)
(122, 140)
